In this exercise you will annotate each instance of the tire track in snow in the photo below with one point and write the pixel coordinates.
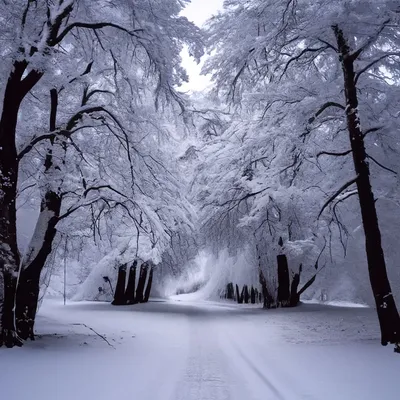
(265, 367)
(209, 373)
(272, 388)
(204, 377)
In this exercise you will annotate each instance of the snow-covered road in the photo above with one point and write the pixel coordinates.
(200, 351)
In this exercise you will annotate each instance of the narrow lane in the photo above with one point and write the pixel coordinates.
(203, 351)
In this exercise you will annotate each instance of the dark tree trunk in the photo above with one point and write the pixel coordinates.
(148, 287)
(239, 297)
(119, 297)
(388, 315)
(9, 255)
(242, 295)
(9, 336)
(268, 299)
(294, 296)
(141, 282)
(15, 91)
(253, 295)
(19, 84)
(130, 289)
(27, 302)
(29, 280)
(35, 260)
(230, 292)
(283, 281)
(246, 296)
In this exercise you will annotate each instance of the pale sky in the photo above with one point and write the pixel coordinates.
(198, 11)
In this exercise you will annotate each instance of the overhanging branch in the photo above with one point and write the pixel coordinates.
(328, 153)
(381, 165)
(324, 107)
(94, 26)
(371, 130)
(344, 187)
(372, 63)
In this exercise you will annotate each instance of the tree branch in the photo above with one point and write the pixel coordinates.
(85, 193)
(93, 26)
(357, 53)
(31, 145)
(345, 186)
(328, 153)
(304, 51)
(371, 64)
(371, 130)
(98, 334)
(324, 107)
(382, 166)
(328, 45)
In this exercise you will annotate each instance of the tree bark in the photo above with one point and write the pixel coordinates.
(15, 91)
(9, 335)
(246, 296)
(388, 315)
(253, 295)
(41, 242)
(230, 292)
(294, 296)
(239, 297)
(148, 287)
(32, 266)
(141, 283)
(119, 297)
(27, 301)
(130, 289)
(283, 281)
(268, 299)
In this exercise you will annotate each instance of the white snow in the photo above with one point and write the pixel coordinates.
(177, 350)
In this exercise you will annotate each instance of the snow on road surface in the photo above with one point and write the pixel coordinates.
(200, 351)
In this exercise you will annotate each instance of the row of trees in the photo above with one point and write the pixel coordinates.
(313, 89)
(91, 122)
(130, 292)
(82, 83)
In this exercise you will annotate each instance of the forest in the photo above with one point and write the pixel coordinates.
(274, 181)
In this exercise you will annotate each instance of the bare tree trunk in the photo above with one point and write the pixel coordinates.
(130, 289)
(41, 242)
(386, 308)
(119, 297)
(29, 279)
(294, 296)
(27, 302)
(15, 91)
(230, 292)
(253, 295)
(141, 283)
(268, 299)
(283, 281)
(246, 296)
(239, 297)
(148, 287)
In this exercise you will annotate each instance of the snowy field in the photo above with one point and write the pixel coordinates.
(178, 350)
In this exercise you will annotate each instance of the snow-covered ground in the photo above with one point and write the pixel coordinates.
(178, 350)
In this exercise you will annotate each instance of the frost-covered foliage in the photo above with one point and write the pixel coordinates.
(144, 172)
(105, 75)
(286, 151)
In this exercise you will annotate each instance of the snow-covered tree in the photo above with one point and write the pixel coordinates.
(312, 72)
(135, 47)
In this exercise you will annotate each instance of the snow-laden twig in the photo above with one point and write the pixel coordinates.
(98, 334)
